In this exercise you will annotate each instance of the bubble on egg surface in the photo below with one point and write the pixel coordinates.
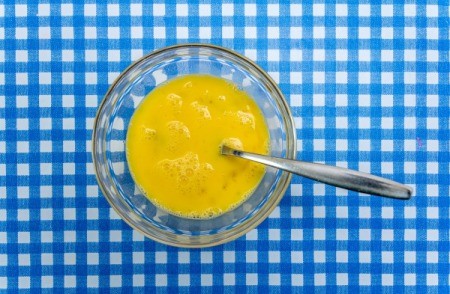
(148, 133)
(176, 101)
(187, 172)
(242, 118)
(234, 143)
(179, 133)
(201, 109)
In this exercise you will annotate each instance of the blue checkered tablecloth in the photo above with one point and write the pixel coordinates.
(367, 82)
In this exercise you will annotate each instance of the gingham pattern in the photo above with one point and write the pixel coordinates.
(368, 84)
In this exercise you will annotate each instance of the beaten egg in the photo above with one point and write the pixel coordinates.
(174, 139)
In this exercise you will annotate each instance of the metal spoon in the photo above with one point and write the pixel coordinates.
(336, 176)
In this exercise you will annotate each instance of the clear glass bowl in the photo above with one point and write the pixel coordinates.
(110, 131)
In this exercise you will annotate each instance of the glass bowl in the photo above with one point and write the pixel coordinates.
(110, 129)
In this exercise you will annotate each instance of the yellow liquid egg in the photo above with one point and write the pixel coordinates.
(173, 146)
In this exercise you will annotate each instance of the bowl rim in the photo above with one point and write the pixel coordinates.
(251, 222)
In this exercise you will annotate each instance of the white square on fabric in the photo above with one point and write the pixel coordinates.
(45, 78)
(296, 10)
(113, 33)
(342, 279)
(341, 256)
(182, 32)
(387, 33)
(318, 77)
(273, 55)
(320, 280)
(432, 10)
(342, 234)
(319, 32)
(44, 33)
(47, 259)
(21, 33)
(229, 279)
(21, 55)
(250, 32)
(23, 259)
(296, 55)
(115, 281)
(136, 9)
(67, 33)
(341, 33)
(251, 279)
(410, 32)
(137, 32)
(92, 281)
(21, 10)
(23, 237)
(138, 280)
(365, 234)
(296, 32)
(250, 9)
(90, 32)
(47, 281)
(341, 9)
(205, 32)
(161, 280)
(341, 55)
(21, 78)
(228, 33)
(387, 10)
(70, 281)
(204, 10)
(113, 9)
(364, 78)
(432, 55)
(296, 234)
(159, 9)
(66, 55)
(409, 279)
(274, 234)
(432, 33)
(90, 9)
(387, 55)
(341, 77)
(23, 146)
(184, 280)
(364, 33)
(273, 32)
(182, 9)
(410, 235)
(24, 283)
(409, 10)
(364, 279)
(319, 9)
(159, 32)
(66, 9)
(319, 55)
(115, 258)
(70, 236)
(206, 279)
(227, 9)
(273, 9)
(364, 10)
(91, 78)
(432, 78)
(319, 256)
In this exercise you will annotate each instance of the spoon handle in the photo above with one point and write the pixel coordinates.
(336, 176)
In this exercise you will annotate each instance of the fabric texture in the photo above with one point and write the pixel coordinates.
(368, 85)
